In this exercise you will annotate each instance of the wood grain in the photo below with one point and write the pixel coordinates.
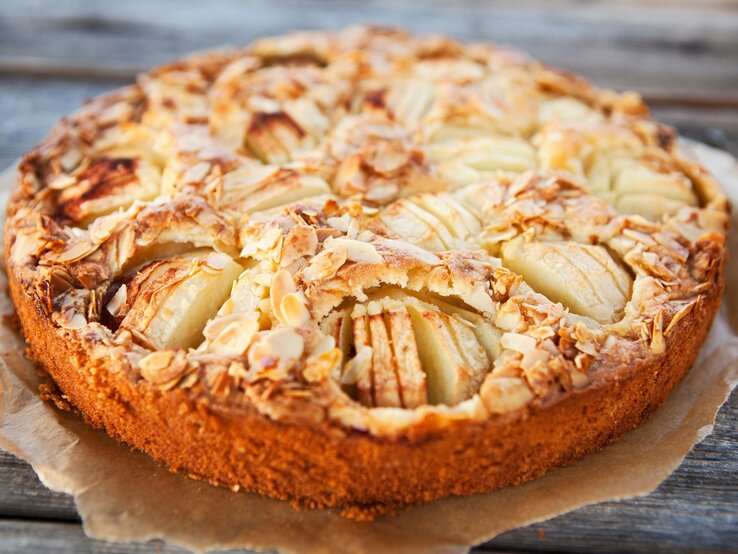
(675, 52)
(683, 56)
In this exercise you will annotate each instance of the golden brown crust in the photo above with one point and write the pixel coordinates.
(316, 266)
(326, 466)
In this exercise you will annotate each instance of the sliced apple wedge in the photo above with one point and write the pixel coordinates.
(255, 189)
(384, 375)
(404, 345)
(434, 221)
(651, 206)
(402, 222)
(446, 370)
(170, 301)
(584, 278)
(459, 221)
(468, 160)
(633, 187)
(409, 351)
(634, 178)
(107, 185)
(487, 334)
(476, 362)
(362, 341)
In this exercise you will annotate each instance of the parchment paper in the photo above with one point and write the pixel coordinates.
(124, 496)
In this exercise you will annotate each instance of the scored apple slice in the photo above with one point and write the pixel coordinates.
(255, 189)
(410, 373)
(386, 385)
(450, 379)
(434, 221)
(469, 160)
(633, 178)
(476, 361)
(397, 221)
(584, 278)
(170, 301)
(487, 334)
(633, 187)
(409, 351)
(459, 221)
(393, 346)
(109, 184)
(362, 340)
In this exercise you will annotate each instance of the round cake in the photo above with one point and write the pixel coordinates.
(364, 269)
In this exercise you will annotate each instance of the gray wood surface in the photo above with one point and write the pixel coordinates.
(683, 56)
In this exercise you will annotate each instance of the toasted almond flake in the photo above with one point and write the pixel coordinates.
(103, 227)
(353, 229)
(263, 279)
(70, 159)
(74, 251)
(62, 181)
(293, 310)
(189, 380)
(356, 250)
(683, 312)
(152, 365)
(502, 395)
(325, 344)
(579, 379)
(217, 261)
(197, 172)
(275, 352)
(533, 357)
(658, 344)
(326, 263)
(71, 319)
(481, 300)
(341, 223)
(586, 347)
(508, 317)
(518, 342)
(381, 194)
(324, 360)
(282, 284)
(236, 337)
(638, 236)
(116, 303)
(301, 241)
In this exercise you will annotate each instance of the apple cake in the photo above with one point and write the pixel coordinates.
(364, 269)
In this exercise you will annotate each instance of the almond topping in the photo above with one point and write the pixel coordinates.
(293, 310)
(518, 343)
(71, 319)
(357, 251)
(236, 337)
(116, 303)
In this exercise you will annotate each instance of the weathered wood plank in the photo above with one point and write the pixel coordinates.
(23, 496)
(28, 109)
(675, 52)
(22, 537)
(694, 510)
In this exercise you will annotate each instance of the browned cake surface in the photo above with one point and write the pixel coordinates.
(364, 269)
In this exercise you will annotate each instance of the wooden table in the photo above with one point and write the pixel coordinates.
(682, 56)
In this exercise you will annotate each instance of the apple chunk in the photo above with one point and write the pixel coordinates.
(451, 377)
(583, 277)
(170, 301)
